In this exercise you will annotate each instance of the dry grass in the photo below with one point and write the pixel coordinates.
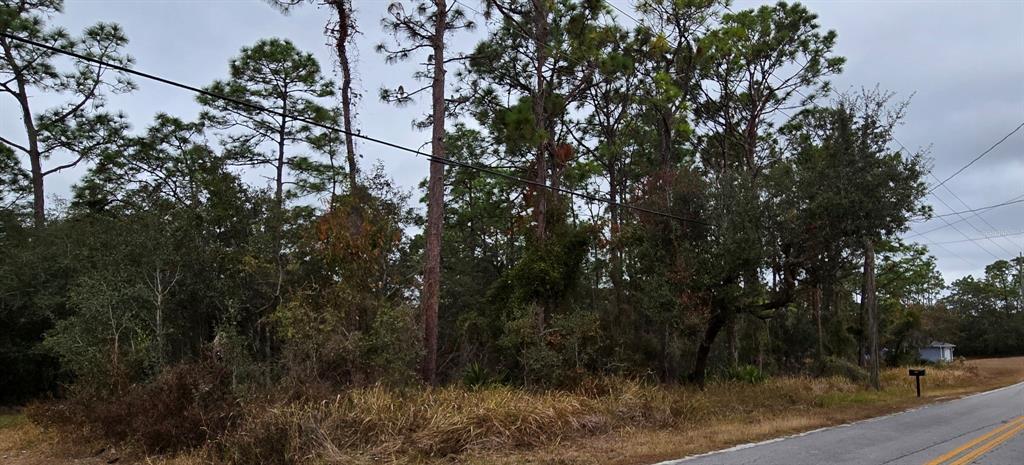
(610, 421)
(633, 446)
(380, 425)
(16, 432)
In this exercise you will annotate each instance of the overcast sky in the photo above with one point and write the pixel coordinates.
(963, 62)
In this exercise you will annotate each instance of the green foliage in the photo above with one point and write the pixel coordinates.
(348, 318)
(79, 128)
(273, 73)
(107, 340)
(29, 307)
(15, 183)
(983, 315)
(386, 352)
(748, 374)
(476, 375)
(548, 271)
(834, 366)
(169, 249)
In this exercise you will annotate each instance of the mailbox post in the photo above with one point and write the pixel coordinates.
(917, 374)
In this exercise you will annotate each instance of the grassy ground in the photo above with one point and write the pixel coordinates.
(761, 419)
(607, 422)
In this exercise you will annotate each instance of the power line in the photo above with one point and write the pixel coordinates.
(620, 10)
(977, 158)
(969, 223)
(951, 224)
(445, 161)
(975, 241)
(983, 220)
(1015, 200)
(937, 228)
(942, 217)
(954, 254)
(959, 214)
(996, 236)
(962, 202)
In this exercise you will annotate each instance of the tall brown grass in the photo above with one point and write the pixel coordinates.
(423, 426)
(377, 424)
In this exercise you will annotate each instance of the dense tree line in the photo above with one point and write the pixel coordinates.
(984, 316)
(752, 215)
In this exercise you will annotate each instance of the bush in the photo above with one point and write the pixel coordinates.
(834, 366)
(748, 374)
(266, 435)
(195, 402)
(184, 407)
(476, 375)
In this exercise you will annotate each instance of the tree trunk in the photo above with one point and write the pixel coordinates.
(540, 211)
(35, 158)
(279, 199)
(665, 124)
(761, 343)
(862, 322)
(435, 203)
(282, 134)
(816, 308)
(343, 8)
(540, 22)
(870, 309)
(666, 363)
(158, 292)
(618, 315)
(38, 194)
(732, 339)
(700, 365)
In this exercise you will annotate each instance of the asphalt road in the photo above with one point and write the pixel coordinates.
(985, 429)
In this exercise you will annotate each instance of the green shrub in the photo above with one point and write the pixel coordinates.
(834, 366)
(476, 375)
(748, 374)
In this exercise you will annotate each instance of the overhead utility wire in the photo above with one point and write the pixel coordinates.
(1015, 200)
(979, 231)
(357, 135)
(943, 182)
(922, 233)
(968, 238)
(957, 197)
(620, 10)
(975, 215)
(931, 191)
(1021, 125)
(969, 209)
(996, 236)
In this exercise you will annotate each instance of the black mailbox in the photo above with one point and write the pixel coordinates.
(917, 374)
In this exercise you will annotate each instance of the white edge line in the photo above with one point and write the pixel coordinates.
(844, 425)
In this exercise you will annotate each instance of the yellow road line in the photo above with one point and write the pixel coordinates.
(953, 453)
(989, 446)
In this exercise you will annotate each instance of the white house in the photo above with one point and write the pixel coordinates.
(937, 352)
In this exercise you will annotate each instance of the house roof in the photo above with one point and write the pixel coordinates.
(940, 344)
